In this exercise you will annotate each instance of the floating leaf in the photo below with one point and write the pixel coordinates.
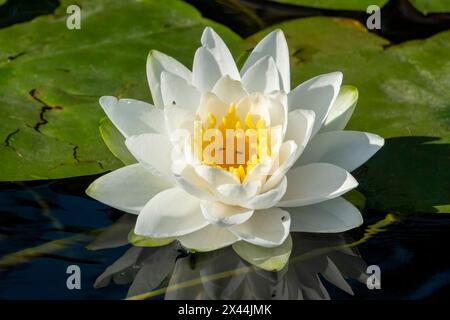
(403, 96)
(424, 6)
(269, 259)
(360, 5)
(141, 241)
(51, 79)
(115, 141)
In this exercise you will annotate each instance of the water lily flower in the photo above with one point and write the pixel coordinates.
(291, 182)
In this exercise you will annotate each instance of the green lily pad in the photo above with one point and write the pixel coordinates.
(51, 79)
(431, 6)
(115, 141)
(403, 96)
(424, 6)
(141, 241)
(358, 5)
(269, 259)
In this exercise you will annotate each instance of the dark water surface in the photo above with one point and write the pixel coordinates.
(412, 252)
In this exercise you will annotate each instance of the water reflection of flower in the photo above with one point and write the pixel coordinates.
(173, 273)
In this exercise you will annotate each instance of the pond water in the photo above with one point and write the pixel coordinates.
(410, 251)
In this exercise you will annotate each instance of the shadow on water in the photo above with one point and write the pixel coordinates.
(409, 174)
(400, 21)
(16, 11)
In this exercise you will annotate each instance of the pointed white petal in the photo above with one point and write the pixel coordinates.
(317, 94)
(300, 124)
(133, 117)
(314, 183)
(236, 194)
(346, 149)
(171, 213)
(224, 215)
(336, 215)
(218, 48)
(275, 46)
(128, 188)
(158, 62)
(208, 238)
(176, 91)
(188, 180)
(269, 198)
(153, 151)
(229, 90)
(341, 110)
(267, 228)
(262, 76)
(205, 70)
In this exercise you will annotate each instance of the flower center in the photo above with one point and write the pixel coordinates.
(233, 144)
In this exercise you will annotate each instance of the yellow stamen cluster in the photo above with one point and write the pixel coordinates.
(247, 142)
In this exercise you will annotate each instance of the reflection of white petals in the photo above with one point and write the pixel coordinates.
(208, 238)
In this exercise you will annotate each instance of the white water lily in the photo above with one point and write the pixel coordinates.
(296, 186)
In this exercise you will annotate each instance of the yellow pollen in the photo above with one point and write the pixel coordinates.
(247, 144)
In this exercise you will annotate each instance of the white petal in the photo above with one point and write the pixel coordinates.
(128, 188)
(153, 151)
(187, 179)
(215, 176)
(341, 110)
(275, 46)
(236, 194)
(178, 117)
(224, 215)
(170, 213)
(205, 70)
(336, 215)
(281, 164)
(210, 103)
(258, 105)
(267, 228)
(262, 76)
(208, 238)
(133, 117)
(158, 62)
(278, 109)
(315, 183)
(317, 94)
(177, 91)
(212, 41)
(269, 198)
(229, 90)
(300, 124)
(346, 149)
